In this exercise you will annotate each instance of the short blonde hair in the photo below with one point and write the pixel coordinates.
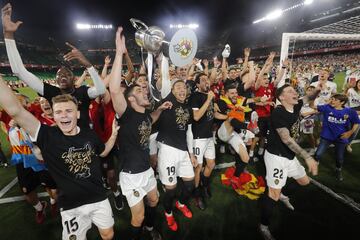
(64, 98)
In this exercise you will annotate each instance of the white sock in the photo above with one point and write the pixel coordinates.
(282, 196)
(52, 201)
(180, 204)
(117, 193)
(251, 153)
(38, 207)
(168, 214)
(261, 151)
(149, 228)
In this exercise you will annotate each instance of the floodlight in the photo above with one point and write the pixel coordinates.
(275, 14)
(308, 2)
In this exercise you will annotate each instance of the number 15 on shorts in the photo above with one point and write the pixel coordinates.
(71, 225)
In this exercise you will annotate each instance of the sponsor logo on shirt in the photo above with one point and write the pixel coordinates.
(337, 121)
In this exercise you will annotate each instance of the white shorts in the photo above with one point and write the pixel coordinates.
(136, 186)
(153, 144)
(234, 139)
(204, 147)
(173, 163)
(278, 169)
(77, 221)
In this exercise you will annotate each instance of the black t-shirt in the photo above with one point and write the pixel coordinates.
(203, 127)
(154, 106)
(134, 134)
(173, 124)
(81, 94)
(281, 118)
(74, 164)
(236, 81)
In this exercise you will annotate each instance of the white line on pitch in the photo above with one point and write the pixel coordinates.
(20, 198)
(8, 187)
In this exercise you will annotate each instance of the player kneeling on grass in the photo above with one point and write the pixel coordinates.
(335, 129)
(280, 159)
(137, 178)
(72, 158)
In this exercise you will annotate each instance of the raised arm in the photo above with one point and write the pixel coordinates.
(99, 87)
(156, 114)
(265, 69)
(293, 146)
(16, 111)
(81, 79)
(246, 60)
(17, 66)
(224, 68)
(206, 64)
(107, 62)
(280, 76)
(130, 74)
(117, 96)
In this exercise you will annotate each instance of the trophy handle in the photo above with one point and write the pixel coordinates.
(135, 23)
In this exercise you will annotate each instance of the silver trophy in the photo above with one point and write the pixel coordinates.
(182, 47)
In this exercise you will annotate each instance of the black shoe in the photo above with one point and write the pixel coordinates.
(338, 175)
(118, 202)
(154, 234)
(200, 203)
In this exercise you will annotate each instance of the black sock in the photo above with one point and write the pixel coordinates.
(196, 192)
(339, 163)
(290, 188)
(168, 199)
(2, 156)
(205, 180)
(267, 205)
(135, 233)
(187, 189)
(239, 166)
(150, 215)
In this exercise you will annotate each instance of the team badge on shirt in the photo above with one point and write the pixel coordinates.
(171, 179)
(276, 181)
(346, 116)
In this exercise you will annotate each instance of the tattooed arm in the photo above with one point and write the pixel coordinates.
(293, 146)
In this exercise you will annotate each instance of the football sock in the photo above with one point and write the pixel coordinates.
(38, 207)
(205, 180)
(150, 216)
(239, 166)
(168, 199)
(267, 205)
(187, 189)
(135, 232)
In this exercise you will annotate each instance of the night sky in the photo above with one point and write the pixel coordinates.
(220, 21)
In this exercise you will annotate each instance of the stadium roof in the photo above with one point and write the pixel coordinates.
(220, 22)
